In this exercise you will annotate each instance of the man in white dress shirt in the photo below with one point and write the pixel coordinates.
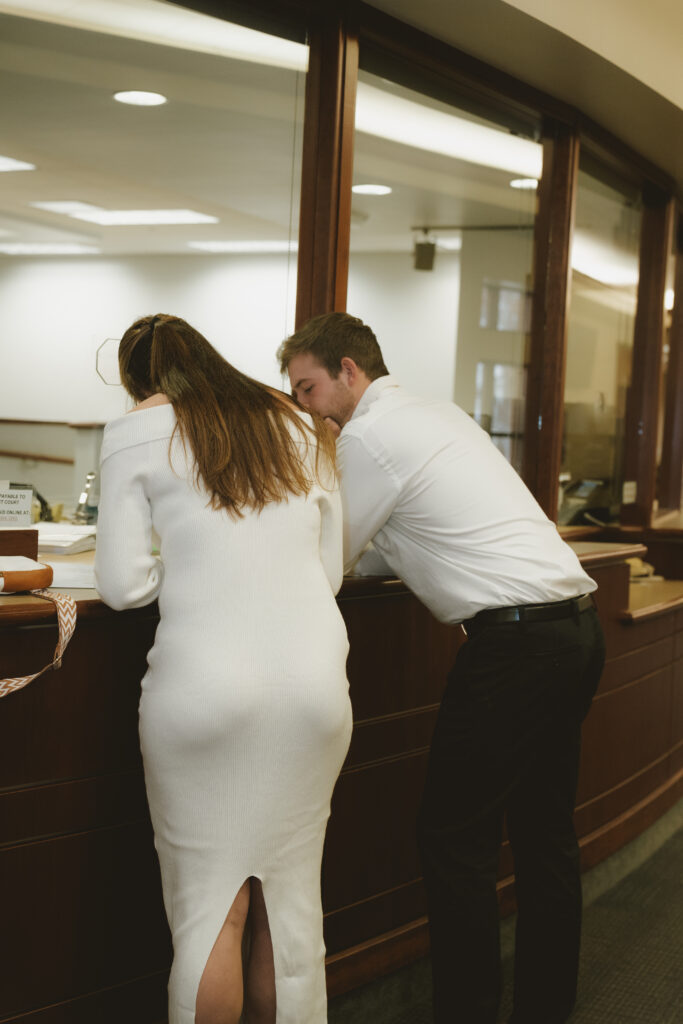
(428, 497)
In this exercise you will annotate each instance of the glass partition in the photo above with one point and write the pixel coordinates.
(441, 249)
(668, 497)
(602, 308)
(152, 164)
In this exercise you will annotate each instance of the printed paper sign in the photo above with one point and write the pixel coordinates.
(15, 504)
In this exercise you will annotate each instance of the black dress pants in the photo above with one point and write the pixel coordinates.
(507, 743)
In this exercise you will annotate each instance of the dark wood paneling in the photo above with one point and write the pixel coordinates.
(379, 956)
(83, 913)
(19, 542)
(625, 731)
(642, 405)
(636, 663)
(374, 809)
(374, 916)
(618, 831)
(94, 698)
(391, 735)
(610, 805)
(143, 999)
(35, 812)
(546, 371)
(71, 770)
(405, 652)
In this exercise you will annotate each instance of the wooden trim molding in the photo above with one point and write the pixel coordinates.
(642, 405)
(384, 954)
(547, 357)
(325, 218)
(35, 457)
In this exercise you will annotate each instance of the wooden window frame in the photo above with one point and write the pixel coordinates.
(670, 482)
(642, 404)
(336, 33)
(327, 169)
(548, 352)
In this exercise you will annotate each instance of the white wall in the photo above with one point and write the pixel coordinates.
(496, 256)
(54, 313)
(414, 314)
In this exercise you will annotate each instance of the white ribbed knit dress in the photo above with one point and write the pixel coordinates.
(244, 715)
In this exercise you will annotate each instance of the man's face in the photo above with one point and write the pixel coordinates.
(314, 388)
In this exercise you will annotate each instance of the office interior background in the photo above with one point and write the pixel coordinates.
(496, 188)
(111, 210)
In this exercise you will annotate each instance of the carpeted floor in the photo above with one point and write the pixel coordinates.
(631, 959)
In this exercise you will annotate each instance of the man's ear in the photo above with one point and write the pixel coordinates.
(350, 369)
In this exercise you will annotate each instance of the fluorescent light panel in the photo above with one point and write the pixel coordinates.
(245, 246)
(46, 249)
(154, 22)
(8, 163)
(116, 218)
(413, 124)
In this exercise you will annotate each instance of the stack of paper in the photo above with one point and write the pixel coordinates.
(65, 538)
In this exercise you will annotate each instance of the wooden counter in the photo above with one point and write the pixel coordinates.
(79, 882)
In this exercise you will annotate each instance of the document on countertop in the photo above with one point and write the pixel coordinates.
(65, 538)
(75, 575)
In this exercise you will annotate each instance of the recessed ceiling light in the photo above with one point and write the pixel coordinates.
(116, 218)
(371, 190)
(140, 99)
(669, 297)
(8, 163)
(46, 249)
(524, 183)
(245, 246)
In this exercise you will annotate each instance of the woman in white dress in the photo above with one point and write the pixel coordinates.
(244, 715)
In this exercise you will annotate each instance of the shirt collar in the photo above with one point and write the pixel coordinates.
(373, 391)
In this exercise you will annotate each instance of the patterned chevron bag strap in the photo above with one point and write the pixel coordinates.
(66, 618)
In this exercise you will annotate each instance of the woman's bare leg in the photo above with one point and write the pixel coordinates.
(259, 997)
(221, 992)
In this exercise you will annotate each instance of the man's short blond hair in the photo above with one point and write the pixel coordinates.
(329, 338)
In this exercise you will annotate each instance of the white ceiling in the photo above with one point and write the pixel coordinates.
(226, 144)
(618, 61)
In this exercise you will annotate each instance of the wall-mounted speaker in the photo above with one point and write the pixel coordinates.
(424, 255)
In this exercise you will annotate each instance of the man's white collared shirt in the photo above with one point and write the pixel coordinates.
(445, 510)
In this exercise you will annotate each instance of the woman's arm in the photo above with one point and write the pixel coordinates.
(127, 574)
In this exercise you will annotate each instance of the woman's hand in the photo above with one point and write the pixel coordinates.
(333, 425)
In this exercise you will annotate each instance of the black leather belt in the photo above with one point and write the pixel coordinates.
(529, 613)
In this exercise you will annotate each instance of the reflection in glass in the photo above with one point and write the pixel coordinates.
(602, 308)
(666, 499)
(110, 211)
(440, 265)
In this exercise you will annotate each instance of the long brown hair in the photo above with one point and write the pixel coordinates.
(239, 430)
